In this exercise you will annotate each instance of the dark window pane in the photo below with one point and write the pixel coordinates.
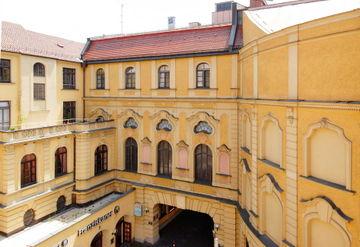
(4, 115)
(28, 170)
(131, 155)
(100, 79)
(69, 112)
(4, 70)
(164, 158)
(203, 164)
(69, 78)
(39, 69)
(39, 91)
(101, 159)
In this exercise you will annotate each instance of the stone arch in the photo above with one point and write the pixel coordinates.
(271, 139)
(99, 112)
(329, 136)
(271, 213)
(332, 220)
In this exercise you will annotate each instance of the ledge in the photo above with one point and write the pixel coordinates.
(223, 174)
(98, 89)
(273, 164)
(182, 168)
(327, 183)
(146, 163)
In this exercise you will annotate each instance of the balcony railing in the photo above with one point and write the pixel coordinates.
(29, 134)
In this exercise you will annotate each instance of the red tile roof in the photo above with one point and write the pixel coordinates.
(15, 38)
(163, 43)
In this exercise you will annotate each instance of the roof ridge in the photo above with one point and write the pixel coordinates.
(283, 4)
(115, 36)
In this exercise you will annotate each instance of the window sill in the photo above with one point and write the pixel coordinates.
(327, 183)
(100, 173)
(203, 182)
(126, 170)
(145, 163)
(129, 89)
(73, 89)
(40, 100)
(164, 176)
(98, 89)
(6, 82)
(182, 168)
(223, 174)
(61, 175)
(28, 186)
(273, 164)
(202, 88)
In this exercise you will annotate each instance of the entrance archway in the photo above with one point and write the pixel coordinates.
(184, 227)
(97, 240)
(123, 233)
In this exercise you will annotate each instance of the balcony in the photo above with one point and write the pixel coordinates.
(34, 134)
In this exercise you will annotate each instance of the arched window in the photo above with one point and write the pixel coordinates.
(101, 159)
(39, 69)
(131, 155)
(164, 77)
(60, 161)
(60, 204)
(203, 76)
(28, 170)
(130, 78)
(100, 119)
(164, 159)
(203, 164)
(100, 79)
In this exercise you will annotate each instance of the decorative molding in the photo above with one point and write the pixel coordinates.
(322, 208)
(130, 113)
(182, 144)
(203, 127)
(325, 123)
(100, 112)
(146, 140)
(131, 123)
(224, 148)
(164, 124)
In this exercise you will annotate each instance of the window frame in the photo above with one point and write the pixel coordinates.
(28, 165)
(164, 77)
(130, 78)
(2, 68)
(39, 70)
(2, 111)
(164, 159)
(60, 161)
(72, 109)
(101, 160)
(203, 157)
(203, 76)
(131, 155)
(39, 93)
(69, 74)
(100, 78)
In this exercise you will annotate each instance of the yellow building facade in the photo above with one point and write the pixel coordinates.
(262, 137)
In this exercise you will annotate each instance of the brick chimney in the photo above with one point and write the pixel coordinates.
(256, 3)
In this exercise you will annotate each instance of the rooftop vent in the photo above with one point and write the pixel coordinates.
(60, 45)
(194, 24)
(171, 22)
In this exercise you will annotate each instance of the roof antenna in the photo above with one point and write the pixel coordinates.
(121, 18)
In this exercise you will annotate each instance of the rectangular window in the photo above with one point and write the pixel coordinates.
(4, 115)
(69, 111)
(4, 71)
(39, 91)
(69, 80)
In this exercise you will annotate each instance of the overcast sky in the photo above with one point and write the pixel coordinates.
(79, 19)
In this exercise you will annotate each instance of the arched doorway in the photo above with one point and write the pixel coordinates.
(97, 240)
(183, 227)
(123, 233)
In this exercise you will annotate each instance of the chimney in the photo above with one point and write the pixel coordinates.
(171, 22)
(194, 24)
(256, 3)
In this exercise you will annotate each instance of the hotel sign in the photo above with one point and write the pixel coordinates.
(95, 223)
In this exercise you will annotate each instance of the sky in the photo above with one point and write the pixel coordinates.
(79, 19)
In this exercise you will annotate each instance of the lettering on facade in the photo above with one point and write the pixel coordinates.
(94, 223)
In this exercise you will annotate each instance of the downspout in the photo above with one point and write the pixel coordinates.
(234, 25)
(83, 65)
